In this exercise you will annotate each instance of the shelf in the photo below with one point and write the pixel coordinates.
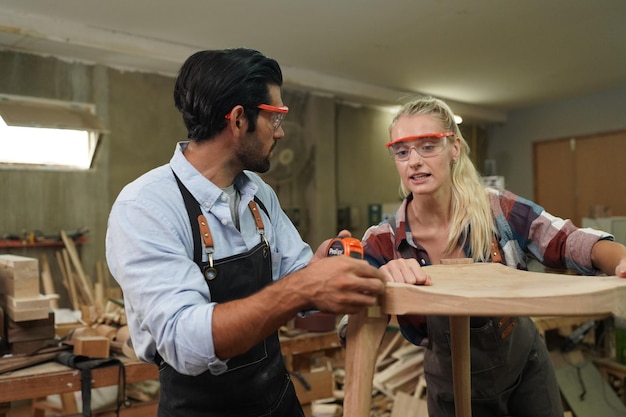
(16, 244)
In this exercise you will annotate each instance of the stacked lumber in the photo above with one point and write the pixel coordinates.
(29, 320)
(31, 336)
(19, 288)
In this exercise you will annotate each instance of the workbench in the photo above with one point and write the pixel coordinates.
(51, 378)
(461, 291)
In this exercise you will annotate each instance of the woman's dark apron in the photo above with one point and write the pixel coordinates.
(256, 383)
(511, 370)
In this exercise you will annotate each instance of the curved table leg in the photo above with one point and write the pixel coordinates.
(364, 335)
(461, 377)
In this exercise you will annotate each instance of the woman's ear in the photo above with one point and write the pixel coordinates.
(456, 154)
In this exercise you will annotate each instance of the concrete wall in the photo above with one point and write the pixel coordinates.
(136, 108)
(365, 172)
(346, 163)
(511, 145)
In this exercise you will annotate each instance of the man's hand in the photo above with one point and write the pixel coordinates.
(339, 284)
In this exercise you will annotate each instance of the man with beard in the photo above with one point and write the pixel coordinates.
(209, 264)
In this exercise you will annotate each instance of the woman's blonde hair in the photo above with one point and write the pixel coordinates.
(470, 202)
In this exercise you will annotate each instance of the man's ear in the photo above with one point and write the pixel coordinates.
(236, 118)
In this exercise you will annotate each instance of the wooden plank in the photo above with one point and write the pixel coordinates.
(71, 278)
(53, 378)
(488, 288)
(48, 282)
(25, 303)
(25, 314)
(31, 347)
(393, 344)
(85, 286)
(309, 342)
(410, 365)
(405, 405)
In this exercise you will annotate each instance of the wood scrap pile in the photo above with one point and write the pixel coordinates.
(85, 295)
(35, 320)
(399, 387)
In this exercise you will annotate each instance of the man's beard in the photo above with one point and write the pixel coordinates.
(251, 155)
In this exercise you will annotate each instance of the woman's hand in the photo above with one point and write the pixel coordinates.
(406, 271)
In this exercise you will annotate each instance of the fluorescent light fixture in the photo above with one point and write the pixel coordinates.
(395, 109)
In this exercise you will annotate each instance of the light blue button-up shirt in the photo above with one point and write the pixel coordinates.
(149, 251)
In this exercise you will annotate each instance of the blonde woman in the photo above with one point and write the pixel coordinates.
(448, 213)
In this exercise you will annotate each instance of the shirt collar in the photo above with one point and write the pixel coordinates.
(202, 189)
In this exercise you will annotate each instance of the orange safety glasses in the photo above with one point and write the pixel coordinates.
(278, 114)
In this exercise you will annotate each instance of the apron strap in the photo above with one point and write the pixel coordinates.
(194, 212)
(200, 227)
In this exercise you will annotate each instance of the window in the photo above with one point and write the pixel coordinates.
(38, 133)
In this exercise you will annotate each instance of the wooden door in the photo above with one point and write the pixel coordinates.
(555, 177)
(573, 175)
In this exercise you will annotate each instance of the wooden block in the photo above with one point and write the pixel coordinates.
(19, 276)
(31, 330)
(14, 268)
(10, 263)
(28, 303)
(25, 286)
(92, 346)
(26, 314)
(63, 329)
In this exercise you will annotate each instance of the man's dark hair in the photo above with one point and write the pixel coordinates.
(211, 83)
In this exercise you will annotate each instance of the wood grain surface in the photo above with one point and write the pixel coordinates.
(494, 289)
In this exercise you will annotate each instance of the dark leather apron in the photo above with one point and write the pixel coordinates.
(255, 383)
